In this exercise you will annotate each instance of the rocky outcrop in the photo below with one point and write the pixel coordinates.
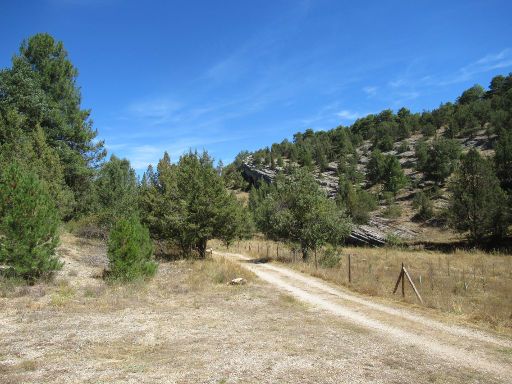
(254, 174)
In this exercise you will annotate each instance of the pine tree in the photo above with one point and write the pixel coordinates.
(32, 152)
(188, 204)
(394, 177)
(235, 222)
(357, 202)
(376, 167)
(116, 187)
(478, 204)
(442, 158)
(130, 250)
(297, 210)
(29, 224)
(41, 87)
(203, 199)
(503, 160)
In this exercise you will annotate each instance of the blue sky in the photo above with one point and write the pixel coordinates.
(233, 75)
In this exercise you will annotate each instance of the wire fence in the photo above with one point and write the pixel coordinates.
(474, 284)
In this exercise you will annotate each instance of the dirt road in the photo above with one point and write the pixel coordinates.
(460, 346)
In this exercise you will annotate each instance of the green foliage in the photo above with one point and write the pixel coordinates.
(403, 147)
(40, 113)
(386, 169)
(357, 202)
(188, 204)
(236, 222)
(384, 143)
(330, 257)
(233, 178)
(158, 199)
(503, 160)
(130, 251)
(33, 153)
(394, 178)
(442, 158)
(471, 95)
(232, 174)
(87, 226)
(428, 129)
(116, 190)
(478, 204)
(394, 240)
(423, 204)
(29, 224)
(376, 167)
(297, 210)
(347, 168)
(474, 110)
(392, 211)
(421, 153)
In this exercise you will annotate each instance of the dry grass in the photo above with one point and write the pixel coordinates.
(472, 285)
(187, 325)
(215, 271)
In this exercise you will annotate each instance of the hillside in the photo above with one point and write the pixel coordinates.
(427, 146)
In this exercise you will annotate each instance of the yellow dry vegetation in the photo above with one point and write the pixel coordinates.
(474, 286)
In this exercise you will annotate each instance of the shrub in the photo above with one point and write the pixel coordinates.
(29, 222)
(187, 204)
(392, 211)
(357, 202)
(394, 240)
(330, 258)
(423, 204)
(88, 226)
(403, 147)
(130, 251)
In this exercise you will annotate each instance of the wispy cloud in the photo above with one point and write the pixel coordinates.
(397, 83)
(154, 111)
(370, 90)
(414, 79)
(347, 115)
(487, 63)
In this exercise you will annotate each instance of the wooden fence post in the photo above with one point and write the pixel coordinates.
(403, 281)
(349, 269)
(316, 263)
(401, 278)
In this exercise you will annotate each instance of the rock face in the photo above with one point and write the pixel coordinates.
(255, 175)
